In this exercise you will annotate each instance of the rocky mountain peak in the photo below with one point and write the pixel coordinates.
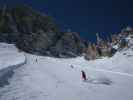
(37, 33)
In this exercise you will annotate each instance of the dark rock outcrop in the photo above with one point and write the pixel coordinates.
(69, 44)
(37, 33)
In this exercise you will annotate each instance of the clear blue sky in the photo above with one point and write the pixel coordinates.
(85, 16)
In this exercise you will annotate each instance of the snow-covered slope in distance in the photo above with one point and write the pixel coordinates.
(121, 62)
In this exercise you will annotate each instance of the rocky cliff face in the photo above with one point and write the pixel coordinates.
(37, 33)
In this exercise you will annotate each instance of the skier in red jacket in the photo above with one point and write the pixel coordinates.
(83, 75)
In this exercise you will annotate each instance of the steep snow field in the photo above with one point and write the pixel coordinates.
(47, 78)
(9, 55)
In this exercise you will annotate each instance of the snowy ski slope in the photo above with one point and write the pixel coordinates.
(47, 78)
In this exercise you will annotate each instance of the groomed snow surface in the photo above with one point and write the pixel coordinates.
(47, 78)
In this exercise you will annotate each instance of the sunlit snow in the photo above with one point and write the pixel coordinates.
(47, 78)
